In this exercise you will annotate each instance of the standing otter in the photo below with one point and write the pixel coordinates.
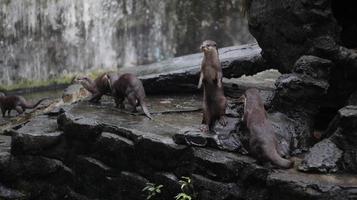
(214, 101)
(99, 87)
(263, 143)
(130, 87)
(18, 103)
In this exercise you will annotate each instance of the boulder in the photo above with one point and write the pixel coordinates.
(323, 157)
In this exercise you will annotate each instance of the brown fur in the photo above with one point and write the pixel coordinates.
(18, 103)
(214, 101)
(263, 143)
(99, 87)
(130, 87)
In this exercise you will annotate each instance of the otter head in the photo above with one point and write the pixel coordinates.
(80, 79)
(208, 46)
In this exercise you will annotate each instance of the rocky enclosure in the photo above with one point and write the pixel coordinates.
(311, 42)
(85, 151)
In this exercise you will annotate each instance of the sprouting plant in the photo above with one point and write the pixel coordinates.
(152, 190)
(186, 188)
(183, 196)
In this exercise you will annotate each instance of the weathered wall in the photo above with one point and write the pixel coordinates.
(40, 39)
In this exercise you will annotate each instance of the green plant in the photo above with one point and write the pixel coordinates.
(152, 190)
(183, 196)
(186, 188)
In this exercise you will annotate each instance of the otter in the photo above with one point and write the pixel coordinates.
(99, 87)
(18, 103)
(130, 87)
(263, 143)
(214, 101)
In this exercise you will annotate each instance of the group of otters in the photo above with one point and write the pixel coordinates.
(263, 142)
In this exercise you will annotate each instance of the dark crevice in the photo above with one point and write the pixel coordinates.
(346, 17)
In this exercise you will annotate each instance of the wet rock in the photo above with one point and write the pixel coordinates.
(299, 90)
(181, 74)
(110, 154)
(304, 21)
(313, 66)
(282, 184)
(5, 142)
(132, 185)
(170, 184)
(345, 136)
(298, 95)
(59, 110)
(74, 93)
(115, 150)
(33, 167)
(322, 157)
(225, 138)
(212, 190)
(221, 166)
(149, 149)
(8, 194)
(88, 171)
(79, 127)
(264, 81)
(38, 135)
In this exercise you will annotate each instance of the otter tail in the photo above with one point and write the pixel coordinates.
(277, 160)
(145, 109)
(25, 104)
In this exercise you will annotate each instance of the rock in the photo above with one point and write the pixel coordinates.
(282, 184)
(79, 127)
(115, 150)
(38, 135)
(8, 194)
(345, 136)
(182, 73)
(303, 21)
(170, 182)
(132, 185)
(74, 93)
(313, 66)
(212, 190)
(5, 142)
(88, 171)
(264, 81)
(33, 167)
(301, 91)
(224, 138)
(323, 157)
(221, 166)
(106, 153)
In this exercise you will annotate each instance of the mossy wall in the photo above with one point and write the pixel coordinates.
(48, 39)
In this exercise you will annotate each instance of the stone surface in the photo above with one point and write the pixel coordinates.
(322, 157)
(131, 150)
(303, 22)
(181, 74)
(8, 194)
(39, 134)
(74, 93)
(345, 136)
(299, 96)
